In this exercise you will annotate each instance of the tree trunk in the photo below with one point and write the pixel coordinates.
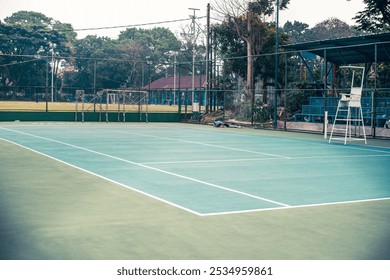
(250, 60)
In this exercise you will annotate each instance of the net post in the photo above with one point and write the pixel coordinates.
(326, 125)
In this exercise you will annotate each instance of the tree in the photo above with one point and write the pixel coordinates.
(332, 28)
(154, 45)
(243, 15)
(122, 62)
(28, 20)
(20, 51)
(37, 26)
(100, 56)
(234, 49)
(188, 37)
(375, 17)
(26, 40)
(296, 31)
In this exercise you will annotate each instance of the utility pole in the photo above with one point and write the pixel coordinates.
(193, 51)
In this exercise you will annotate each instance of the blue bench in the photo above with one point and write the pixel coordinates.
(314, 112)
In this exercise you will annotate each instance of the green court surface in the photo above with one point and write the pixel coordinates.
(177, 191)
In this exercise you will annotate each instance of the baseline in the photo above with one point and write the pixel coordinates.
(295, 207)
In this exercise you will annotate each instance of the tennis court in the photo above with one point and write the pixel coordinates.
(161, 191)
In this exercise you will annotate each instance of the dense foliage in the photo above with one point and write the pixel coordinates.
(34, 48)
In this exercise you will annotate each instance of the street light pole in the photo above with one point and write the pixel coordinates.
(52, 45)
(52, 75)
(174, 78)
(47, 84)
(193, 52)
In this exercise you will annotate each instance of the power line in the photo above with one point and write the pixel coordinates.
(17, 63)
(120, 26)
(281, 52)
(133, 25)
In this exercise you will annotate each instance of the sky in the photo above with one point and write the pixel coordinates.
(84, 14)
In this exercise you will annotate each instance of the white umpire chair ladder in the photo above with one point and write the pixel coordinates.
(349, 111)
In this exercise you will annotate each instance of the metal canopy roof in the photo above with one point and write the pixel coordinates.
(349, 50)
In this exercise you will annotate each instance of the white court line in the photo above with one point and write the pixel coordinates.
(313, 142)
(206, 144)
(257, 159)
(371, 150)
(336, 157)
(152, 168)
(105, 178)
(209, 161)
(294, 207)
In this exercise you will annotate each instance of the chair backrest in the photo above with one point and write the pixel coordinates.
(356, 89)
(355, 97)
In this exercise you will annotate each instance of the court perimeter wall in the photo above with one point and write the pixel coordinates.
(9, 116)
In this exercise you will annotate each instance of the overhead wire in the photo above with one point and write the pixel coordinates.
(21, 62)
(132, 25)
